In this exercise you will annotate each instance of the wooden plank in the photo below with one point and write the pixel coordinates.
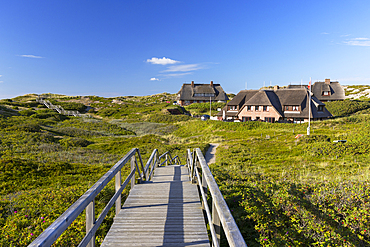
(163, 212)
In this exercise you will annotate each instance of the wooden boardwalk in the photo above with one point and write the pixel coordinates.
(163, 212)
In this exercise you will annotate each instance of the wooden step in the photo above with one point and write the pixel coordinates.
(163, 212)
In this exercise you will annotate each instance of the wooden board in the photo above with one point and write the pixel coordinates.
(163, 212)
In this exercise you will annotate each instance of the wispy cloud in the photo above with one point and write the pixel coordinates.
(183, 68)
(358, 42)
(345, 35)
(30, 56)
(177, 74)
(161, 61)
(1, 75)
(324, 33)
(154, 79)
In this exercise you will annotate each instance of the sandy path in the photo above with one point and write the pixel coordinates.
(210, 155)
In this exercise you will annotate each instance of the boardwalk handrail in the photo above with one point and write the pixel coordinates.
(220, 210)
(59, 108)
(87, 200)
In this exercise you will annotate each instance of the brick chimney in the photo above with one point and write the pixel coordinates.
(211, 83)
(276, 87)
(192, 83)
(327, 81)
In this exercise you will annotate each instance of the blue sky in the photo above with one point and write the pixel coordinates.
(114, 48)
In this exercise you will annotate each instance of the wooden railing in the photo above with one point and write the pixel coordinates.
(87, 200)
(59, 109)
(220, 211)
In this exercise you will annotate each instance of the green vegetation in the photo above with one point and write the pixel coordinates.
(346, 107)
(283, 189)
(203, 108)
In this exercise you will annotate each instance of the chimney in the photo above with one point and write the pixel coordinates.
(327, 81)
(276, 87)
(211, 83)
(192, 83)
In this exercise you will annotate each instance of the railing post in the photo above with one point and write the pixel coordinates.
(90, 220)
(118, 186)
(132, 168)
(166, 160)
(205, 189)
(216, 221)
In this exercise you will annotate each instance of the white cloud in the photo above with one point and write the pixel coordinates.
(345, 35)
(358, 42)
(183, 68)
(324, 33)
(30, 56)
(1, 81)
(161, 61)
(177, 74)
(1, 75)
(154, 79)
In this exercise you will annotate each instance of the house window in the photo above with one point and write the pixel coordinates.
(320, 108)
(270, 119)
(249, 108)
(245, 119)
(292, 108)
(232, 108)
(256, 108)
(326, 93)
(265, 108)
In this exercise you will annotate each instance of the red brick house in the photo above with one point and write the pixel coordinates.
(290, 105)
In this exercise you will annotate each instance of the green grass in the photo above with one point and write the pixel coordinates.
(283, 190)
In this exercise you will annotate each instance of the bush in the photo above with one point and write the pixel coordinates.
(27, 112)
(74, 142)
(346, 107)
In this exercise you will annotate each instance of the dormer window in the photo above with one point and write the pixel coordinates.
(204, 95)
(326, 93)
(232, 108)
(292, 108)
(320, 108)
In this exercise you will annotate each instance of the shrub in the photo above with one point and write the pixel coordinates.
(74, 142)
(27, 112)
(346, 107)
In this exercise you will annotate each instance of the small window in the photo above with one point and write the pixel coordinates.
(249, 108)
(265, 108)
(287, 108)
(245, 119)
(295, 108)
(256, 108)
(232, 108)
(320, 108)
(326, 93)
(270, 119)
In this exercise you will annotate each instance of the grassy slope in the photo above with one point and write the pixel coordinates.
(283, 190)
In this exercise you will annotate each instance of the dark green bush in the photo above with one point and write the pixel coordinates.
(27, 112)
(168, 118)
(346, 107)
(316, 138)
(74, 142)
